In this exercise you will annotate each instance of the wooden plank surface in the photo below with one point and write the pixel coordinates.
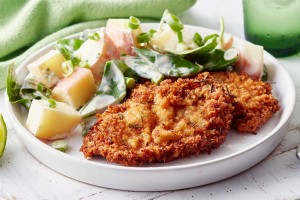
(276, 177)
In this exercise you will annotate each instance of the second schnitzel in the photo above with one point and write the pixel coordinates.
(254, 103)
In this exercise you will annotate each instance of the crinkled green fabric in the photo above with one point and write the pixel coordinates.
(27, 25)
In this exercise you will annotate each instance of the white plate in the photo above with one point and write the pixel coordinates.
(238, 153)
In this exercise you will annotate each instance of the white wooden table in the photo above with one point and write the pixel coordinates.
(276, 177)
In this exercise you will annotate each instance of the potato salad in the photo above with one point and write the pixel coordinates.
(80, 77)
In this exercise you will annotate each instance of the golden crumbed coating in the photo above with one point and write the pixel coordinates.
(161, 123)
(254, 103)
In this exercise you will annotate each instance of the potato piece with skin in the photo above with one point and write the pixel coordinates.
(76, 89)
(120, 38)
(94, 53)
(51, 123)
(251, 59)
(47, 69)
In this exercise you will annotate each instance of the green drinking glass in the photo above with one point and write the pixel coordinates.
(273, 24)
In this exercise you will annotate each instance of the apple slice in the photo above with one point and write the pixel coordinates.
(49, 123)
(47, 69)
(75, 89)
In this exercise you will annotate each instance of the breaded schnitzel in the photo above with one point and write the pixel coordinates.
(254, 103)
(161, 123)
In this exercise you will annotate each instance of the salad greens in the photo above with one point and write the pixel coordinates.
(143, 69)
(24, 94)
(174, 22)
(169, 65)
(149, 62)
(67, 47)
(112, 90)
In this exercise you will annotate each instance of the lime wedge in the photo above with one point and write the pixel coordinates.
(3, 135)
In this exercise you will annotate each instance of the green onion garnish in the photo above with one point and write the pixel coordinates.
(180, 38)
(52, 103)
(94, 36)
(198, 39)
(151, 32)
(134, 23)
(143, 38)
(60, 145)
(174, 22)
(44, 90)
(68, 68)
(84, 64)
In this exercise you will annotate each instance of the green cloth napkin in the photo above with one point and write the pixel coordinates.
(26, 26)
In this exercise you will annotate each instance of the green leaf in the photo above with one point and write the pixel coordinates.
(176, 66)
(12, 85)
(112, 90)
(214, 61)
(67, 48)
(13, 88)
(168, 64)
(144, 69)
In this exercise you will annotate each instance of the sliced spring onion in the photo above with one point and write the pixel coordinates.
(84, 64)
(134, 23)
(94, 36)
(52, 103)
(60, 145)
(143, 38)
(173, 21)
(230, 54)
(130, 82)
(44, 90)
(180, 38)
(198, 39)
(68, 68)
(151, 32)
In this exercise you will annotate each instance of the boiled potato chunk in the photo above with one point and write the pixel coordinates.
(51, 123)
(251, 59)
(120, 38)
(94, 53)
(47, 69)
(165, 39)
(75, 89)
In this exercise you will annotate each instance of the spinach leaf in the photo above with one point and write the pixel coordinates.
(24, 94)
(13, 88)
(111, 91)
(12, 85)
(67, 47)
(168, 64)
(214, 60)
(144, 69)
